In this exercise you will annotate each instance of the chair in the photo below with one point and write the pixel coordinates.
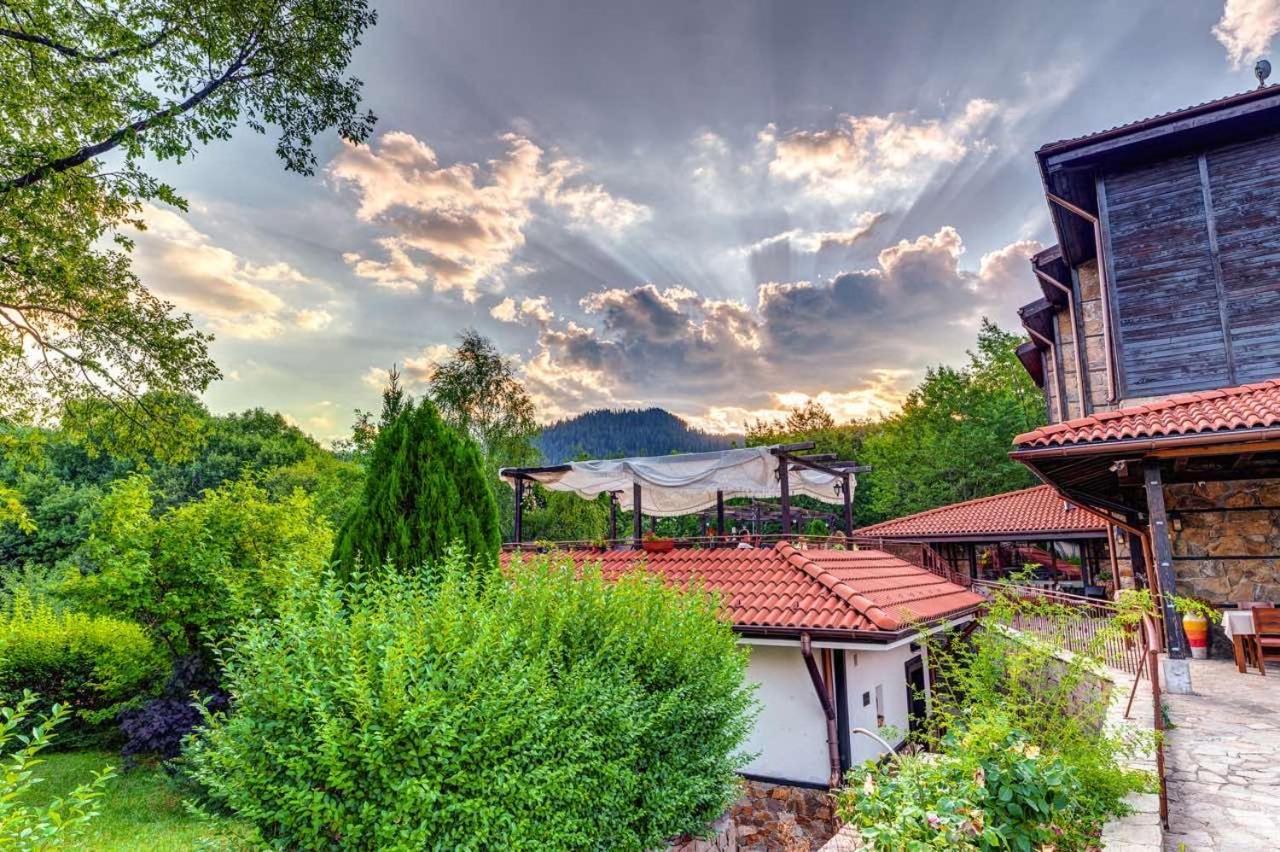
(1266, 642)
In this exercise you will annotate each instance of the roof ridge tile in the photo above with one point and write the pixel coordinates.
(877, 616)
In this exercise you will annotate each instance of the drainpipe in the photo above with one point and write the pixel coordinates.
(828, 709)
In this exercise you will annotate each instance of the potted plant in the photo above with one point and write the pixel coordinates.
(1196, 617)
(653, 544)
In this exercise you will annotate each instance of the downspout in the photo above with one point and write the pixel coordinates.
(828, 709)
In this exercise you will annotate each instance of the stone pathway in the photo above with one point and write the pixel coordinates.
(1222, 761)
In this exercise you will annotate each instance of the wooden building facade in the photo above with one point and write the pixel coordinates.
(1156, 340)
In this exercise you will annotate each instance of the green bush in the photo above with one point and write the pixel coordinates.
(1021, 756)
(546, 710)
(95, 666)
(24, 828)
(990, 788)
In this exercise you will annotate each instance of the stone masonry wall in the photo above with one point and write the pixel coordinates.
(1232, 519)
(779, 818)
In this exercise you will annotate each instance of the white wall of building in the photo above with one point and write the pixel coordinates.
(865, 671)
(790, 734)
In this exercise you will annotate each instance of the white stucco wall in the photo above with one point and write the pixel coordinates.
(864, 671)
(790, 734)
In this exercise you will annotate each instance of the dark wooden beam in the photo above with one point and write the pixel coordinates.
(720, 530)
(613, 516)
(784, 492)
(637, 520)
(519, 524)
(1162, 551)
(846, 487)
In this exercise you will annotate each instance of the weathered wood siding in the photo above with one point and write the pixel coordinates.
(1169, 330)
(1245, 184)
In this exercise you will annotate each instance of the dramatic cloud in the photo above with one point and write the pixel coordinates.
(854, 343)
(812, 242)
(458, 226)
(1247, 28)
(231, 295)
(865, 156)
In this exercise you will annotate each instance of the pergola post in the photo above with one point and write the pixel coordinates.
(848, 504)
(784, 491)
(519, 525)
(637, 519)
(613, 516)
(1162, 551)
(720, 513)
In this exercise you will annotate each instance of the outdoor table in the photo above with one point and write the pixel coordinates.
(1237, 624)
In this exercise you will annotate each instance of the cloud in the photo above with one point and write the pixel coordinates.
(419, 368)
(311, 319)
(865, 156)
(532, 308)
(234, 296)
(854, 342)
(812, 242)
(1247, 28)
(458, 226)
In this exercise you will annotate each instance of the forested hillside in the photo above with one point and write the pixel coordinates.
(611, 434)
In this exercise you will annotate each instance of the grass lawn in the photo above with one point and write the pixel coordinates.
(139, 809)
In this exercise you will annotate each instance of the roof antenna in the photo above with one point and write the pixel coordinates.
(1262, 70)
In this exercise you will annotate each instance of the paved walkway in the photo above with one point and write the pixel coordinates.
(1222, 761)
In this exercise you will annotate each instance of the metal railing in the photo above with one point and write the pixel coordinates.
(1152, 638)
(1093, 631)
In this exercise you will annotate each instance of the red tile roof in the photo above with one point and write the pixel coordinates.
(1028, 513)
(1223, 410)
(785, 587)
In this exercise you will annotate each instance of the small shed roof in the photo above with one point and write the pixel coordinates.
(1033, 514)
(786, 589)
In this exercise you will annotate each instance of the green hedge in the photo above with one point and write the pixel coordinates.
(537, 711)
(95, 666)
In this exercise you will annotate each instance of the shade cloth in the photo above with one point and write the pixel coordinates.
(687, 483)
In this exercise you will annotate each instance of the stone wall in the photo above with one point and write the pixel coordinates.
(1233, 528)
(723, 838)
(773, 817)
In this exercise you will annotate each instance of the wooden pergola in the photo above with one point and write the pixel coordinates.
(790, 458)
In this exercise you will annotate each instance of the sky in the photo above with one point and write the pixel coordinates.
(722, 208)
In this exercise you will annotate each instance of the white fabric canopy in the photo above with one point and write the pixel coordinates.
(687, 483)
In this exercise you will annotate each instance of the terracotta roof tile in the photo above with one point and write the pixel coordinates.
(1016, 513)
(1225, 409)
(785, 587)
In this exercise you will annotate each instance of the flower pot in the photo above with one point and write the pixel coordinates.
(1196, 627)
(659, 545)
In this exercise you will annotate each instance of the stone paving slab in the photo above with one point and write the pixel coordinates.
(1222, 761)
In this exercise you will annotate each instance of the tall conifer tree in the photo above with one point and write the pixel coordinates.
(426, 490)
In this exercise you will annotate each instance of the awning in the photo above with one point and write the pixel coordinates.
(687, 483)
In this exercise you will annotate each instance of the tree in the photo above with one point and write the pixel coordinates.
(132, 80)
(190, 574)
(477, 392)
(951, 440)
(426, 490)
(365, 431)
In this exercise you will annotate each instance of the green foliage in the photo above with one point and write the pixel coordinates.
(1023, 756)
(426, 490)
(551, 710)
(57, 824)
(95, 666)
(190, 573)
(560, 516)
(952, 438)
(990, 788)
(132, 81)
